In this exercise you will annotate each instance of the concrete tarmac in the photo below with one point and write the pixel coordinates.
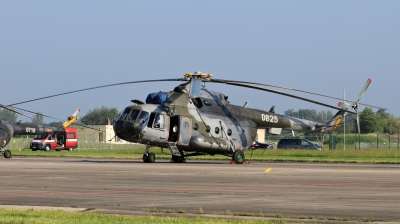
(359, 192)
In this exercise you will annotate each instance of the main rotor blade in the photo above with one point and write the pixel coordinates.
(292, 89)
(286, 94)
(97, 87)
(55, 118)
(13, 110)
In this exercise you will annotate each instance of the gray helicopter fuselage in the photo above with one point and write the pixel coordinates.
(205, 124)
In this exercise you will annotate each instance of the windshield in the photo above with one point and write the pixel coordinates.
(42, 136)
(2, 134)
(125, 115)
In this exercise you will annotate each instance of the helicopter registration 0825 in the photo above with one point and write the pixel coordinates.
(269, 118)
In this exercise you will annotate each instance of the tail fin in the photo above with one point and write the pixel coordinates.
(335, 121)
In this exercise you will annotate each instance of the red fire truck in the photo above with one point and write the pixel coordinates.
(62, 139)
(66, 139)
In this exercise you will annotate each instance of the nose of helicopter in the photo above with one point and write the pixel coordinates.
(126, 130)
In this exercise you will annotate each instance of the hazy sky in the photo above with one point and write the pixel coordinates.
(50, 47)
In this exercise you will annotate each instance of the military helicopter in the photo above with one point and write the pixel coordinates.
(191, 120)
(8, 129)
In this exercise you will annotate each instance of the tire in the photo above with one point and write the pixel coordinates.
(179, 159)
(70, 149)
(47, 148)
(7, 154)
(34, 150)
(145, 158)
(238, 157)
(151, 158)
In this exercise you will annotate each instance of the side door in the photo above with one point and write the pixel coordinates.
(160, 124)
(185, 130)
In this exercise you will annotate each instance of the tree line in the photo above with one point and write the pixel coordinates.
(370, 122)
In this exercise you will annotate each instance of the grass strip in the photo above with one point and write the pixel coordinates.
(57, 216)
(383, 156)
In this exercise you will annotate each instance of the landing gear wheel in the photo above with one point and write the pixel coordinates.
(47, 148)
(70, 149)
(7, 154)
(238, 157)
(145, 158)
(151, 158)
(179, 159)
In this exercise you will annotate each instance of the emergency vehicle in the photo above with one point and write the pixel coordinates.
(66, 139)
(63, 139)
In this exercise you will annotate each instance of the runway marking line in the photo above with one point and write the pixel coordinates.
(267, 170)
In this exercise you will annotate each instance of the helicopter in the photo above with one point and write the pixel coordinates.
(191, 120)
(8, 129)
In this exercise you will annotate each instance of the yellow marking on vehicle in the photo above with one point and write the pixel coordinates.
(267, 170)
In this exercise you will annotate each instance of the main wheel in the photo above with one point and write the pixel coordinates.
(145, 158)
(238, 157)
(151, 158)
(7, 154)
(179, 159)
(47, 148)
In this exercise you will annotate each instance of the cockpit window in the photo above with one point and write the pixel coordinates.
(125, 115)
(2, 134)
(159, 121)
(143, 118)
(134, 115)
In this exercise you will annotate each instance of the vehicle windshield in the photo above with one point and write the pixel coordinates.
(41, 136)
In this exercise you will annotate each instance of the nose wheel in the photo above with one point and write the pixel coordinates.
(149, 157)
(6, 153)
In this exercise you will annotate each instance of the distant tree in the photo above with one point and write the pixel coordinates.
(99, 116)
(367, 121)
(38, 119)
(310, 114)
(291, 113)
(55, 124)
(392, 125)
(8, 115)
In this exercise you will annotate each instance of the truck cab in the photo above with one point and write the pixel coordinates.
(66, 139)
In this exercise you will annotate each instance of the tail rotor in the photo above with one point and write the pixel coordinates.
(356, 104)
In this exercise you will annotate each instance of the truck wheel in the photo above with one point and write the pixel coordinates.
(47, 148)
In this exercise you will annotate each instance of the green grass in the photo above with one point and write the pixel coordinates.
(58, 216)
(350, 155)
